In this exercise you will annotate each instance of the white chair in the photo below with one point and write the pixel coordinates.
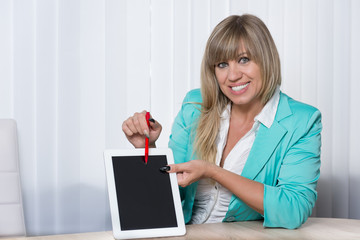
(11, 210)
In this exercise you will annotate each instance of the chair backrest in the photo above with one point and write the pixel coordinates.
(11, 209)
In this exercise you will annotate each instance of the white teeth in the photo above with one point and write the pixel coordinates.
(238, 88)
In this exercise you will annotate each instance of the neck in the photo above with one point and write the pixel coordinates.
(246, 113)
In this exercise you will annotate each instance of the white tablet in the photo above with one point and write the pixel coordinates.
(144, 201)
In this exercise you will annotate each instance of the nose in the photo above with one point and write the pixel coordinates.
(234, 71)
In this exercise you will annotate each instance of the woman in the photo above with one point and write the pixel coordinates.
(244, 150)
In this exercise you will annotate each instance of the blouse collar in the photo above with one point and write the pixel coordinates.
(267, 114)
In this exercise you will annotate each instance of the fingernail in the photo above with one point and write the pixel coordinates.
(165, 168)
(152, 120)
(146, 134)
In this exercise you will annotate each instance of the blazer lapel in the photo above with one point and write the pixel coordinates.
(266, 141)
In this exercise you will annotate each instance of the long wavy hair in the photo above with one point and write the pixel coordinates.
(232, 34)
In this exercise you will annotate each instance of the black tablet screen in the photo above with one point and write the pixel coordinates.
(143, 192)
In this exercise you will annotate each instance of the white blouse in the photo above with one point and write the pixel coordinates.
(211, 199)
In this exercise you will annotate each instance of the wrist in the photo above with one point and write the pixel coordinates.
(210, 170)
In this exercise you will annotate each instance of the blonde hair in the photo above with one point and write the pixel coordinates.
(228, 37)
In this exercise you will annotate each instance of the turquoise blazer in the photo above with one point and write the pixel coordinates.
(284, 157)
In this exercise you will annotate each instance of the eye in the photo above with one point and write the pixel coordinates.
(244, 60)
(222, 65)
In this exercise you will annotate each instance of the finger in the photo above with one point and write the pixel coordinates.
(175, 168)
(155, 125)
(172, 168)
(127, 130)
(139, 122)
(182, 180)
(143, 124)
(129, 127)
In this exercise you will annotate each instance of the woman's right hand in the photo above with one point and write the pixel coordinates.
(136, 130)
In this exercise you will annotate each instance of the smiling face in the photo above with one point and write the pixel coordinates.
(240, 64)
(240, 80)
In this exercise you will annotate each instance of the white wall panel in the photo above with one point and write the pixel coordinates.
(291, 61)
(276, 27)
(46, 74)
(181, 52)
(162, 56)
(308, 65)
(258, 8)
(92, 117)
(309, 55)
(138, 57)
(68, 118)
(325, 102)
(6, 90)
(238, 7)
(341, 111)
(200, 31)
(24, 84)
(219, 9)
(115, 70)
(354, 100)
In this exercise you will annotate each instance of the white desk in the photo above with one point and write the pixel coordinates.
(314, 228)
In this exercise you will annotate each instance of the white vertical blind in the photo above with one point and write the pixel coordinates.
(45, 57)
(92, 118)
(72, 71)
(115, 71)
(6, 53)
(161, 62)
(341, 111)
(292, 58)
(67, 113)
(181, 79)
(23, 106)
(324, 82)
(354, 100)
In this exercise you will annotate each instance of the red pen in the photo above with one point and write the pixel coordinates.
(147, 116)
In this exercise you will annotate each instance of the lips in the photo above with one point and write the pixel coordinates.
(240, 87)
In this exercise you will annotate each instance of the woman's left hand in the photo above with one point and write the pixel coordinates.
(191, 171)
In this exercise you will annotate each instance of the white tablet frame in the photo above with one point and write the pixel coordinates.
(142, 233)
